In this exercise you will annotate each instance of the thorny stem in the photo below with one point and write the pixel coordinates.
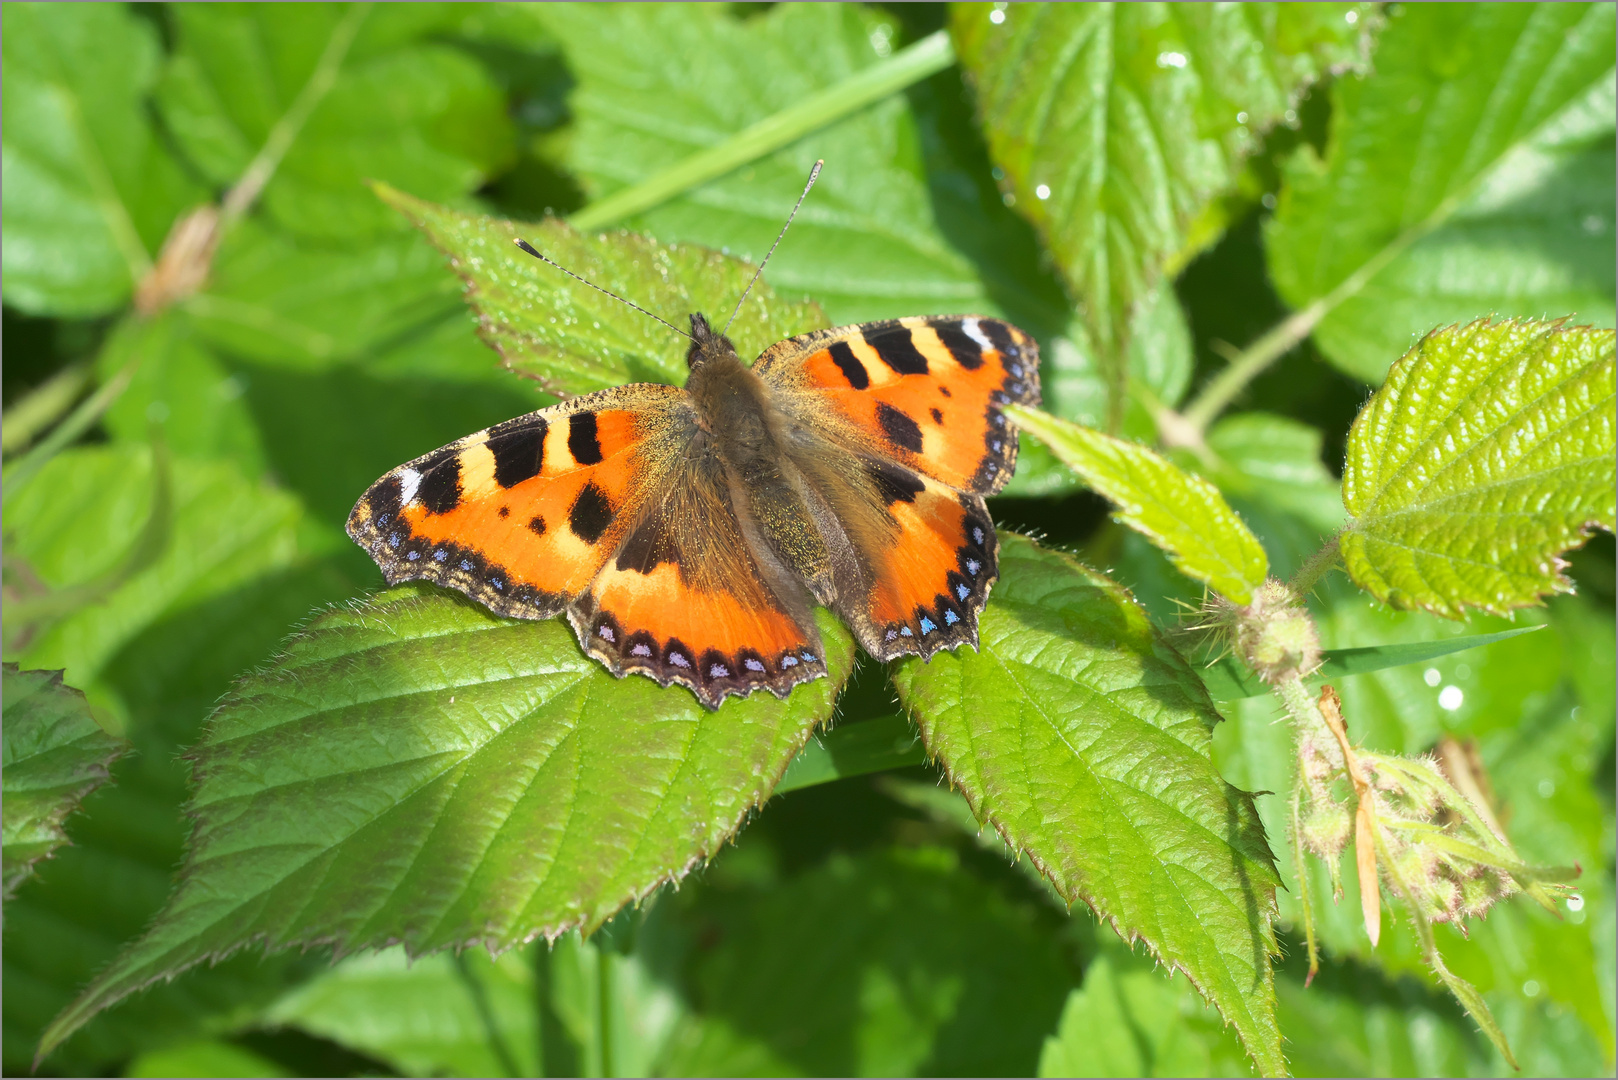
(1316, 567)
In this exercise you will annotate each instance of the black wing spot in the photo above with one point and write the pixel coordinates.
(590, 515)
(893, 483)
(647, 547)
(967, 353)
(938, 417)
(899, 428)
(505, 511)
(582, 441)
(898, 351)
(850, 365)
(942, 389)
(440, 490)
(536, 525)
(518, 453)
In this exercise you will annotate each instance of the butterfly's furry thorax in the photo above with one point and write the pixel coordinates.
(687, 533)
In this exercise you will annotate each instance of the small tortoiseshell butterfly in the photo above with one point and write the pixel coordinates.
(686, 531)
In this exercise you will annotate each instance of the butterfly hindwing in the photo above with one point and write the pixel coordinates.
(686, 599)
(926, 392)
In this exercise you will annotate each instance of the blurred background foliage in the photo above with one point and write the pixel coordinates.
(863, 926)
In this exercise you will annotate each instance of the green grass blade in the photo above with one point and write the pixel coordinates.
(1228, 680)
(925, 58)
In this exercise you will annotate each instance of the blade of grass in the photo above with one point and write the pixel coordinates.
(910, 65)
(1227, 680)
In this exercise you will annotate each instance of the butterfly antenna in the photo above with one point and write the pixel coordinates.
(526, 246)
(814, 174)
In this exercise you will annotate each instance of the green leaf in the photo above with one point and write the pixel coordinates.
(892, 962)
(1183, 514)
(1488, 452)
(428, 714)
(887, 742)
(55, 755)
(1119, 126)
(454, 1015)
(393, 107)
(1086, 741)
(569, 336)
(1471, 175)
(90, 191)
(1229, 680)
(1128, 1020)
(896, 224)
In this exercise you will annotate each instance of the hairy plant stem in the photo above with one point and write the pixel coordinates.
(1302, 871)
(925, 58)
(1314, 568)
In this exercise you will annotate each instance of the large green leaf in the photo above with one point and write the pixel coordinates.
(898, 223)
(1086, 741)
(892, 962)
(392, 106)
(55, 755)
(1119, 126)
(1181, 513)
(456, 1015)
(90, 191)
(1471, 175)
(1488, 452)
(417, 770)
(572, 338)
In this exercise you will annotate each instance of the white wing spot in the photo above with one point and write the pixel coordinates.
(409, 481)
(972, 330)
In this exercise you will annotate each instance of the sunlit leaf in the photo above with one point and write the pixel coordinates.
(1086, 742)
(55, 755)
(572, 338)
(90, 190)
(1488, 452)
(344, 795)
(1470, 175)
(1181, 513)
(1120, 126)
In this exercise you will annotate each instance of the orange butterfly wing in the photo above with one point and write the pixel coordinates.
(928, 390)
(920, 402)
(557, 510)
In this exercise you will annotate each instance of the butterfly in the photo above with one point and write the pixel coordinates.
(686, 532)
